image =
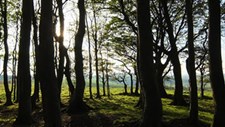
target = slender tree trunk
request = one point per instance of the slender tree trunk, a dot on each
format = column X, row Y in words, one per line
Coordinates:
column 60, row 70
column 50, row 91
column 215, row 63
column 68, row 74
column 125, row 86
column 152, row 115
column 35, row 95
column 95, row 37
column 24, row 78
column 77, row 104
column 14, row 60
column 202, row 83
column 90, row 61
column 6, row 56
column 107, row 79
column 137, row 81
column 131, row 83
column 103, row 73
column 193, row 114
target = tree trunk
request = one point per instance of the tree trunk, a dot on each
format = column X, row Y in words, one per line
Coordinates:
column 125, row 85
column 77, row 104
column 68, row 74
column 152, row 115
column 24, row 78
column 202, row 83
column 131, row 83
column 6, row 56
column 215, row 63
column 90, row 61
column 35, row 95
column 107, row 79
column 178, row 95
column 137, row 81
column 193, row 114
column 50, row 91
column 103, row 73
column 96, row 56
column 60, row 70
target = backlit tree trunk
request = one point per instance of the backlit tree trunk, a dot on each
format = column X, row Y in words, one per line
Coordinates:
column 193, row 114
column 153, row 107
column 77, row 104
column 50, row 91
column 215, row 63
column 24, row 78
column 6, row 56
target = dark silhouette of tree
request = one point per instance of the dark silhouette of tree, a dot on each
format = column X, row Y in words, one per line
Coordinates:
column 50, row 92
column 96, row 49
column 77, row 104
column 60, row 39
column 35, row 95
column 153, row 106
column 24, row 78
column 191, row 66
column 215, row 63
column 89, row 60
column 178, row 95
column 4, row 12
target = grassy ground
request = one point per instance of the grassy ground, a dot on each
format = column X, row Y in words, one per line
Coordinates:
column 116, row 111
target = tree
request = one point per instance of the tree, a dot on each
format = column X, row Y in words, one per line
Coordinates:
column 77, row 104
column 50, row 92
column 178, row 95
column 24, row 78
column 191, row 66
column 90, row 61
column 6, row 56
column 61, row 46
column 153, row 106
column 35, row 95
column 96, row 49
column 215, row 63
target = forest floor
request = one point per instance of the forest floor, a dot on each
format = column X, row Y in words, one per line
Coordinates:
column 117, row 111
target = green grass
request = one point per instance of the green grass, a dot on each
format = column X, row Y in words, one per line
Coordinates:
column 119, row 109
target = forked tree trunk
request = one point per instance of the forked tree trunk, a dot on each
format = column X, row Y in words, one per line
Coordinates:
column 178, row 94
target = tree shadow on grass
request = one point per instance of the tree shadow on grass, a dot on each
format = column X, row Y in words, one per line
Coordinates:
column 114, row 112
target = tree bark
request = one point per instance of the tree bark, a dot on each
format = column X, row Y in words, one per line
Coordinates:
column 215, row 63
column 24, row 78
column 60, row 70
column 35, row 95
column 178, row 94
column 152, row 115
column 193, row 113
column 50, row 91
column 96, row 54
column 6, row 56
column 77, row 104
column 90, row 61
